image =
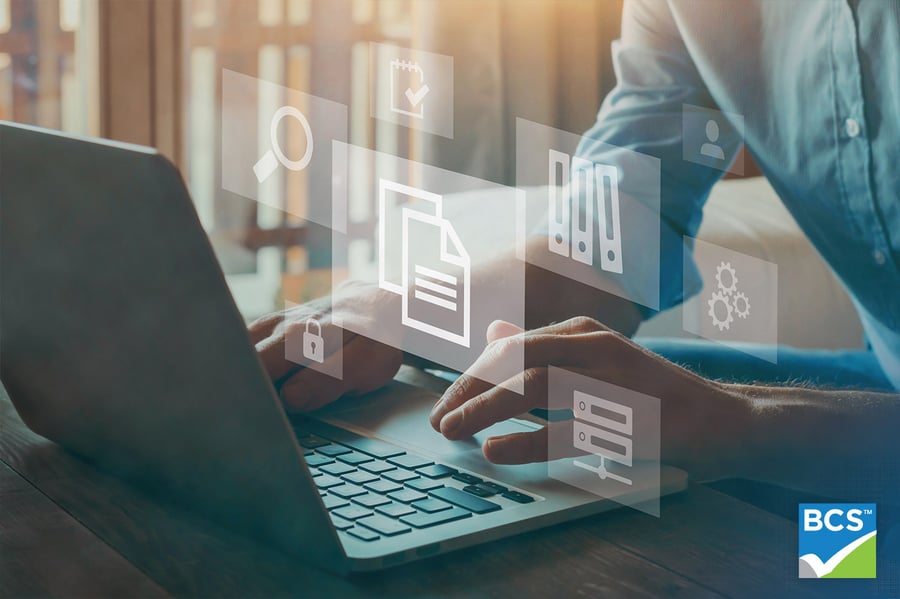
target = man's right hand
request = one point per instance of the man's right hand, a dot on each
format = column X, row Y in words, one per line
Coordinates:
column 368, row 364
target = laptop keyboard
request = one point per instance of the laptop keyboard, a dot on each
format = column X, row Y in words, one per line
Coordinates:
column 373, row 489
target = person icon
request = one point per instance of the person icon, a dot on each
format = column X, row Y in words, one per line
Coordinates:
column 710, row 148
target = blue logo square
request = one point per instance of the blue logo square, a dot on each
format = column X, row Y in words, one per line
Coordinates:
column 837, row 540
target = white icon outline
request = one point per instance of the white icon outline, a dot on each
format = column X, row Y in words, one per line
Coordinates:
column 722, row 268
column 607, row 429
column 441, row 284
column 728, row 296
column 571, row 211
column 583, row 189
column 738, row 311
column 716, row 299
column 462, row 261
column 384, row 186
column 710, row 148
column 269, row 161
column 560, row 205
column 414, row 98
column 310, row 351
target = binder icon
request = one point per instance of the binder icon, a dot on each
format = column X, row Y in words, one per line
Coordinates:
column 560, row 205
column 610, row 439
column 571, row 210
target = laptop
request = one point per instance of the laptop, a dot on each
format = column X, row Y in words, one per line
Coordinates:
column 121, row 342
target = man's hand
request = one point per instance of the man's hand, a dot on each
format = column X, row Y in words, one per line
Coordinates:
column 702, row 421
column 368, row 364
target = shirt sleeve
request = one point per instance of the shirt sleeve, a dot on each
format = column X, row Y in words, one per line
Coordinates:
column 655, row 78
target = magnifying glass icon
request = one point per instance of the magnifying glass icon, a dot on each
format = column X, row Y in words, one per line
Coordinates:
column 266, row 165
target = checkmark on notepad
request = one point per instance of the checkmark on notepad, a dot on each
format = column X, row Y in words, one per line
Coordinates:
column 416, row 98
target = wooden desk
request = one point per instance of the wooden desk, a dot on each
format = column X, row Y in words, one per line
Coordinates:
column 69, row 530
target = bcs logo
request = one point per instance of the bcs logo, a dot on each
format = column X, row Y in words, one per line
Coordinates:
column 837, row 540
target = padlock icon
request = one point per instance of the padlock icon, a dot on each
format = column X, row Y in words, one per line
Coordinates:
column 313, row 343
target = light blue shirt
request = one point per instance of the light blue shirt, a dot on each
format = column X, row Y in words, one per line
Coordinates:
column 818, row 85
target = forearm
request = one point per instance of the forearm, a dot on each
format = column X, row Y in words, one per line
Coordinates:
column 551, row 297
column 554, row 298
column 840, row 444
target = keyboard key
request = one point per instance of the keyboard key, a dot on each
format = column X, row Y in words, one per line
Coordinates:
column 340, row 523
column 333, row 501
column 359, row 477
column 407, row 496
column 376, row 449
column 400, row 476
column 395, row 510
column 347, row 491
column 383, row 525
column 383, row 486
column 431, row 505
column 410, row 461
column 465, row 500
column 371, row 500
column 424, row 520
column 377, row 467
column 337, row 469
column 363, row 533
column 466, row 478
column 317, row 460
column 326, row 481
column 423, row 484
column 436, row 471
column 352, row 512
column 480, row 490
column 354, row 457
column 518, row 497
column 333, row 450
column 308, row 452
column 312, row 441
column 494, row 487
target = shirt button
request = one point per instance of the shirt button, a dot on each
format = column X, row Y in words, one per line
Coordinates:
column 880, row 258
column 851, row 126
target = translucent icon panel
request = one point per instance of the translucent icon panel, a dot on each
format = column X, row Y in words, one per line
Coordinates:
column 591, row 216
column 712, row 138
column 612, row 448
column 427, row 240
column 315, row 340
column 738, row 303
column 412, row 88
column 276, row 146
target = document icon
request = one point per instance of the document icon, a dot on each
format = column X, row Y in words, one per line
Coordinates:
column 433, row 266
column 571, row 210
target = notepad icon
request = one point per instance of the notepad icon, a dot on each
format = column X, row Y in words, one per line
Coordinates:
column 430, row 268
column 408, row 88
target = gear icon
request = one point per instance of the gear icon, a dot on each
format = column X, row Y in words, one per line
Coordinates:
column 720, row 298
column 733, row 278
column 741, row 305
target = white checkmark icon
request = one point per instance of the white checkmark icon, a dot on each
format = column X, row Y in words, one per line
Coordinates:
column 415, row 98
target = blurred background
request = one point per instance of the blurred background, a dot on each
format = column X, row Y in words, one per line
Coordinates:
column 149, row 72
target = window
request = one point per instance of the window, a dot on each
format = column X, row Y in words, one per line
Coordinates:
column 316, row 46
column 48, row 64
column 149, row 72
